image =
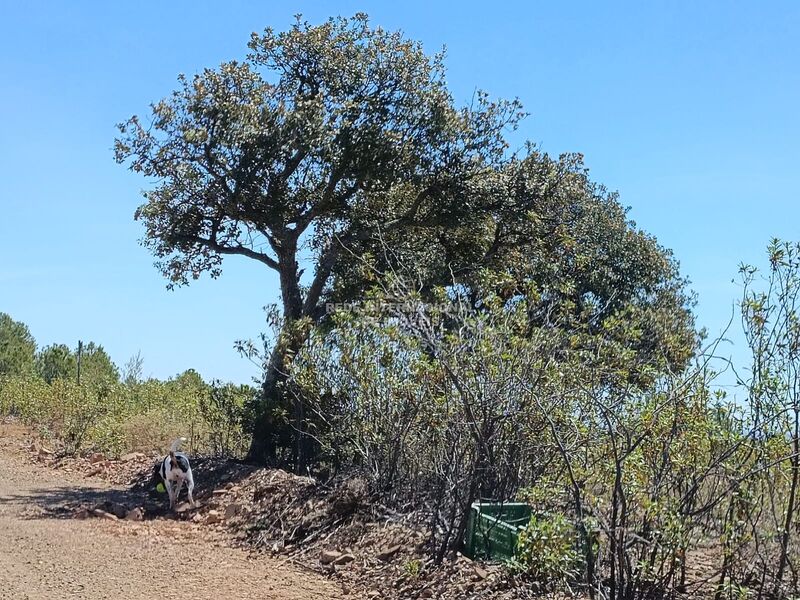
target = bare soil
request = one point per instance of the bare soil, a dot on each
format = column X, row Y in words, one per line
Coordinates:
column 47, row 553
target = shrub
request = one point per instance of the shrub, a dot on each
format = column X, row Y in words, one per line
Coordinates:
column 222, row 409
column 547, row 549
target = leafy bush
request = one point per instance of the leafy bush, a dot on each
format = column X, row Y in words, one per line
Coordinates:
column 547, row 549
column 223, row 412
column 147, row 431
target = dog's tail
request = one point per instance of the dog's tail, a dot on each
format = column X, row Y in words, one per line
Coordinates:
column 176, row 445
column 173, row 449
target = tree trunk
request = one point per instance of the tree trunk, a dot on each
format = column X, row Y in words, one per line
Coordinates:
column 790, row 507
column 269, row 432
column 727, row 552
column 264, row 443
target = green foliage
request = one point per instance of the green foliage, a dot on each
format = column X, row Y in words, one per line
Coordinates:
column 547, row 549
column 223, row 411
column 97, row 367
column 412, row 568
column 17, row 347
column 374, row 382
column 446, row 403
column 103, row 414
column 56, row 361
column 62, row 410
column 336, row 129
column 545, row 232
column 770, row 308
column 23, row 396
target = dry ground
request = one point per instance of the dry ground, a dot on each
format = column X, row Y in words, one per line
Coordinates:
column 44, row 554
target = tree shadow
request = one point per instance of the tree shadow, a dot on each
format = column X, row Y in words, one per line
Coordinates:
column 66, row 501
column 70, row 501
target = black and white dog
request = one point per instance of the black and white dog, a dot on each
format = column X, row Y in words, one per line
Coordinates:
column 175, row 471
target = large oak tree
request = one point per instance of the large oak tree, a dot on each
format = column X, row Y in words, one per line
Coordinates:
column 322, row 136
column 332, row 151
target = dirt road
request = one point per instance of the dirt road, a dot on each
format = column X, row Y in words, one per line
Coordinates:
column 47, row 554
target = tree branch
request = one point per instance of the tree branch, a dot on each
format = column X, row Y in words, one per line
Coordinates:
column 212, row 244
column 323, row 271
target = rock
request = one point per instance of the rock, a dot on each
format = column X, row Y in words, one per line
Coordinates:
column 99, row 512
column 183, row 507
column 232, row 510
column 137, row 514
column 329, row 556
column 118, row 510
column 96, row 471
column 386, row 555
column 131, row 456
column 481, row 572
column 96, row 458
column 212, row 517
column 82, row 514
column 344, row 559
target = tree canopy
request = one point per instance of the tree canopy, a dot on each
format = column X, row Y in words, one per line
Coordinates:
column 333, row 130
column 17, row 347
column 56, row 361
column 97, row 366
column 548, row 233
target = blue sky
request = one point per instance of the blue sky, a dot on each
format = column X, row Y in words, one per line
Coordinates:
column 688, row 109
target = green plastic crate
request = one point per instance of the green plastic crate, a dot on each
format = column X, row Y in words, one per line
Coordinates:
column 492, row 529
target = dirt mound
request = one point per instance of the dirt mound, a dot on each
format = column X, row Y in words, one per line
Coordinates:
column 210, row 473
column 341, row 531
column 338, row 529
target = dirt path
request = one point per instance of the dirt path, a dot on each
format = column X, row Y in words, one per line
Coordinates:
column 44, row 554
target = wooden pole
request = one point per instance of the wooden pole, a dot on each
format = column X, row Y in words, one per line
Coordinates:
column 80, row 353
